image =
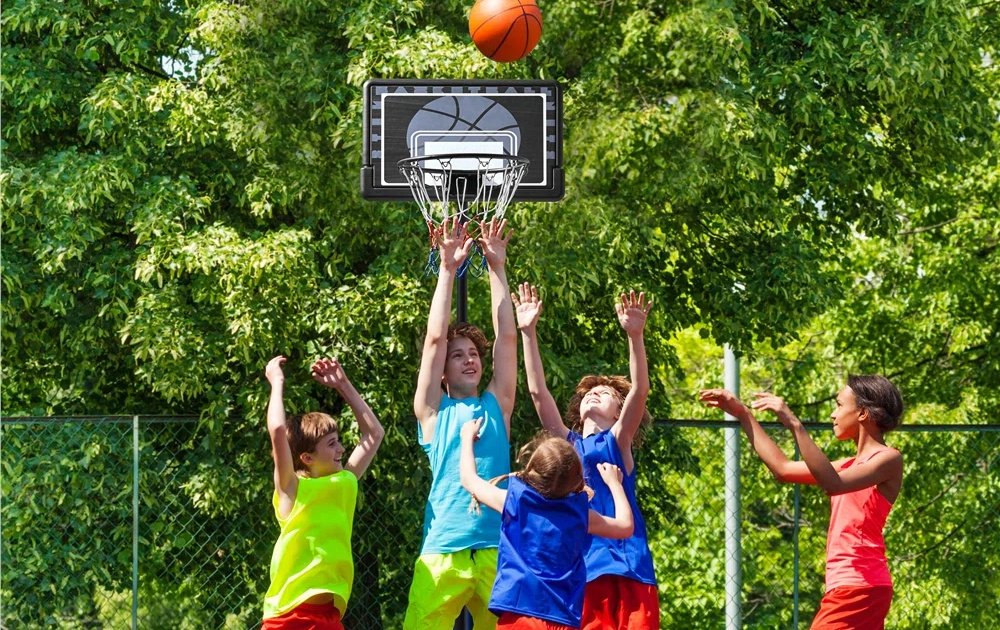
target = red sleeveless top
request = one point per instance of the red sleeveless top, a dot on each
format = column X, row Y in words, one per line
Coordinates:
column 855, row 549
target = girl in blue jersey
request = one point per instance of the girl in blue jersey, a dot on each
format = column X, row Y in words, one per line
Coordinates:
column 546, row 524
column 604, row 420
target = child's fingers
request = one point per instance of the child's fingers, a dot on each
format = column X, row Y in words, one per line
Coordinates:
column 514, row 299
column 649, row 305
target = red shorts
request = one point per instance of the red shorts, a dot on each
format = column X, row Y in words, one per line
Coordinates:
column 853, row 608
column 612, row 601
column 514, row 621
column 306, row 617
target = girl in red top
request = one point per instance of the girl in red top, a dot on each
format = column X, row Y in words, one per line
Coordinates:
column 862, row 490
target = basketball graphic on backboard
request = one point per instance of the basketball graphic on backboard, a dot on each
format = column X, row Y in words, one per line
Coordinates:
column 505, row 30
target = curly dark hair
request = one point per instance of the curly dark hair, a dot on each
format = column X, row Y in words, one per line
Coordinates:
column 621, row 386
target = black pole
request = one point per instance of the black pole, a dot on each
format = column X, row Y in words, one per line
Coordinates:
column 462, row 306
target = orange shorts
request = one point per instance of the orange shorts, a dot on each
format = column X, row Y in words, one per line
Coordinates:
column 306, row 617
column 514, row 621
column 612, row 601
column 853, row 608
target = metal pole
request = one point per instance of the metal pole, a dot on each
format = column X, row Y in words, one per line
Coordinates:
column 135, row 522
column 795, row 542
column 462, row 304
column 734, row 569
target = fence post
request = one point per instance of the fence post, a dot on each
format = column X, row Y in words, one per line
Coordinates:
column 135, row 522
column 795, row 542
column 734, row 569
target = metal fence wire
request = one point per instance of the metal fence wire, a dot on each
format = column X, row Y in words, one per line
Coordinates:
column 152, row 522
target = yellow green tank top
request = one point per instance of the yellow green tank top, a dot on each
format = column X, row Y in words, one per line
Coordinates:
column 313, row 552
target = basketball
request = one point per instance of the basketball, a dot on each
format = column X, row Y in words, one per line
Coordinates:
column 505, row 30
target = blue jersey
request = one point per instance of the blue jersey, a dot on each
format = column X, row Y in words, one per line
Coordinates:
column 629, row 557
column 540, row 568
column 448, row 524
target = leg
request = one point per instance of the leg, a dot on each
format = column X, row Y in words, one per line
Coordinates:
column 485, row 568
column 441, row 585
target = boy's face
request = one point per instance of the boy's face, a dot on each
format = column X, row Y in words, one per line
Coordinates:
column 327, row 458
column 464, row 367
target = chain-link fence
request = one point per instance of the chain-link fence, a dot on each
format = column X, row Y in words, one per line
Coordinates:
column 118, row 522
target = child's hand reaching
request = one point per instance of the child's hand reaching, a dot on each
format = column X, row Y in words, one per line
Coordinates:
column 722, row 399
column 527, row 306
column 493, row 242
column 330, row 373
column 452, row 240
column 273, row 371
column 769, row 402
column 632, row 312
column 470, row 430
column 611, row 474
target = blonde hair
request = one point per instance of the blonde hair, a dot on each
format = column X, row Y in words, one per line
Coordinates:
column 550, row 465
column 621, row 386
column 304, row 433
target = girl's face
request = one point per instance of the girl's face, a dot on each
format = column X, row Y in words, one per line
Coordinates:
column 846, row 415
column 328, row 456
column 601, row 406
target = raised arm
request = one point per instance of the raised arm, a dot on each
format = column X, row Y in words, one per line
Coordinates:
column 632, row 312
column 482, row 490
column 783, row 469
column 454, row 244
column 493, row 240
column 883, row 467
column 621, row 525
column 528, row 308
column 330, row 373
column 286, row 482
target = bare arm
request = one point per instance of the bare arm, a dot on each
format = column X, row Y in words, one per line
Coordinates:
column 621, row 525
column 483, row 491
column 504, row 383
column 884, row 466
column 632, row 312
column 286, row 482
column 331, row 374
column 454, row 246
column 529, row 307
column 783, row 469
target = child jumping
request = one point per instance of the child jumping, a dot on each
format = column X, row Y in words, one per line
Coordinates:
column 541, row 573
column 606, row 415
column 862, row 490
column 314, row 496
column 458, row 556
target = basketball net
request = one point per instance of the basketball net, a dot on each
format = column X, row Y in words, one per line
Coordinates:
column 475, row 187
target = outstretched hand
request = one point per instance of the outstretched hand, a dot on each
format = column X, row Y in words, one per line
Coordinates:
column 275, row 376
column 330, row 373
column 527, row 306
column 722, row 399
column 632, row 312
column 453, row 242
column 493, row 242
column 766, row 401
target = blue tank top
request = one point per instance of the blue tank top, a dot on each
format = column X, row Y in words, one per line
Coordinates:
column 540, row 568
column 448, row 524
column 629, row 557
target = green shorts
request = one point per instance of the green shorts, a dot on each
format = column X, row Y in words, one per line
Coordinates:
column 445, row 582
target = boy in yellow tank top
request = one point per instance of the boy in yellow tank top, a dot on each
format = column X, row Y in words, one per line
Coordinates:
column 314, row 497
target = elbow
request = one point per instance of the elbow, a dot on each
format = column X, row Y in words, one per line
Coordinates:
column 377, row 433
column 629, row 529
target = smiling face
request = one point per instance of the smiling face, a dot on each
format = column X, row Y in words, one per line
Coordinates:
column 601, row 406
column 463, row 368
column 327, row 458
column 846, row 415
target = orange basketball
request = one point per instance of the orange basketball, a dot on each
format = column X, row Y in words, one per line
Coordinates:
column 505, row 30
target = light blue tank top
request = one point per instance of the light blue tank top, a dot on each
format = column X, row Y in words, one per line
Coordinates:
column 448, row 524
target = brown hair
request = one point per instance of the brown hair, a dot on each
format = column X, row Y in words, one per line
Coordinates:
column 621, row 386
column 304, row 433
column 472, row 333
column 880, row 397
column 550, row 465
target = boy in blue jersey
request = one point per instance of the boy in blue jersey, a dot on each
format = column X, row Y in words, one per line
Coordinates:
column 458, row 557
